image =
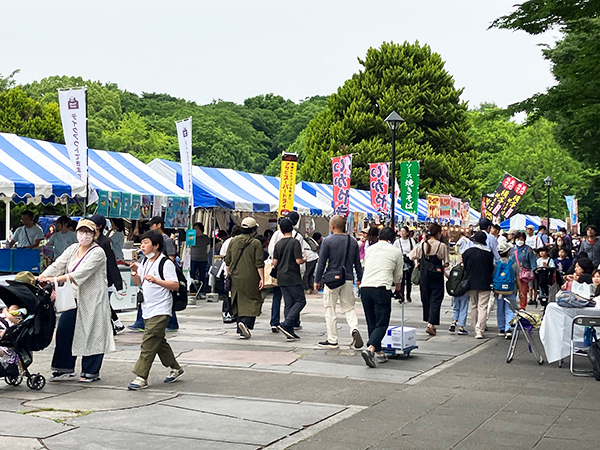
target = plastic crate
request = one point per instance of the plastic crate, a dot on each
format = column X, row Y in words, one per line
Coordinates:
column 26, row 259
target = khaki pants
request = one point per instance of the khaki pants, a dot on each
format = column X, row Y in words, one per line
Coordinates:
column 479, row 304
column 154, row 343
column 345, row 294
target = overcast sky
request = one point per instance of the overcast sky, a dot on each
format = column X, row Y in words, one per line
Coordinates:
column 234, row 49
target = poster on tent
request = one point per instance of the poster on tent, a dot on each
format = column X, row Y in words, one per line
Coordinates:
column 379, row 184
column 115, row 205
column 177, row 214
column 103, row 203
column 341, row 170
column 287, row 182
column 156, row 206
column 125, row 206
column 433, row 206
column 135, row 206
column 465, row 214
column 409, row 193
column 145, row 207
column 454, row 208
column 445, row 201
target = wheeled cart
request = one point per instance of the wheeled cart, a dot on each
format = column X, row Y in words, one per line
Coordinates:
column 399, row 341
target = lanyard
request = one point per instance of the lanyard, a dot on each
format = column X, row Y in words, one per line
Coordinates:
column 146, row 272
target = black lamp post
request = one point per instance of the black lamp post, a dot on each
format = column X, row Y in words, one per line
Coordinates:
column 548, row 181
column 393, row 120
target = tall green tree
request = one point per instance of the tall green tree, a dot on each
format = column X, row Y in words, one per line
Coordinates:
column 410, row 79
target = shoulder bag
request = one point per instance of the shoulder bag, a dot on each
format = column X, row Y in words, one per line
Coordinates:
column 525, row 275
column 334, row 278
column 65, row 300
column 227, row 285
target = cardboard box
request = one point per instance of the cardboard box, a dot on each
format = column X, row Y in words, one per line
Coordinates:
column 393, row 338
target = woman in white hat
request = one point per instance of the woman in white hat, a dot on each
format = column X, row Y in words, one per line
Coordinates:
column 85, row 331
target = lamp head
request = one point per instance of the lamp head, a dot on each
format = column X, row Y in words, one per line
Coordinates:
column 394, row 120
column 548, row 181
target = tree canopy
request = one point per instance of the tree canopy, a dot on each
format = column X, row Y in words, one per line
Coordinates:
column 410, row 79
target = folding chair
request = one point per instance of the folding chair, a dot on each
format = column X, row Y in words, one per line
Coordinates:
column 580, row 348
column 523, row 323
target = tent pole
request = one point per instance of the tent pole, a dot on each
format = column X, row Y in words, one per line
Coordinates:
column 7, row 215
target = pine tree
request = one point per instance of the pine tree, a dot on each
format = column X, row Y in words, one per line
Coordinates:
column 411, row 80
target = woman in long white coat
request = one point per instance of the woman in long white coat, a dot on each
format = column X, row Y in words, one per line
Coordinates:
column 85, row 331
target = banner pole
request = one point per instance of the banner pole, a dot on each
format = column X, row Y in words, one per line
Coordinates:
column 87, row 158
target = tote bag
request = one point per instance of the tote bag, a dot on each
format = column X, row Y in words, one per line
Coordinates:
column 65, row 300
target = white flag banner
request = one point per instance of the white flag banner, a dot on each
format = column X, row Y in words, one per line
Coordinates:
column 396, row 189
column 184, row 134
column 73, row 117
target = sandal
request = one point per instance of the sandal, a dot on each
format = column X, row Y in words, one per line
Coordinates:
column 430, row 330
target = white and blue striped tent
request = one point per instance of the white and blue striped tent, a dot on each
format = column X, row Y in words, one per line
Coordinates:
column 44, row 171
column 521, row 221
column 237, row 191
column 360, row 201
column 31, row 174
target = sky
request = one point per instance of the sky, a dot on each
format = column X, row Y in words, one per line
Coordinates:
column 232, row 50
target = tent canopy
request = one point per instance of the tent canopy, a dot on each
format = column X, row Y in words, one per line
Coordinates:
column 30, row 173
column 237, row 191
column 40, row 169
column 521, row 221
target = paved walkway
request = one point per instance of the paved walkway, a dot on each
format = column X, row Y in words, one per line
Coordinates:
column 453, row 392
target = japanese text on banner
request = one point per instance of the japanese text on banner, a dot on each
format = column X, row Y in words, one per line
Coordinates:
column 184, row 135
column 379, row 181
column 433, row 206
column 409, row 177
column 341, row 169
column 287, row 182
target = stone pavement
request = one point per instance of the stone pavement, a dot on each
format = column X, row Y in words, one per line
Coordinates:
column 452, row 392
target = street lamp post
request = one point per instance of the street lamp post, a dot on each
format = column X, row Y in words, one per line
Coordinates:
column 548, row 181
column 393, row 120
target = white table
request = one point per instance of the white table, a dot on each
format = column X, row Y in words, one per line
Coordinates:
column 555, row 332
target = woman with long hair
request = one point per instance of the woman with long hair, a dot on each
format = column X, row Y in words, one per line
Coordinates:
column 432, row 258
column 406, row 244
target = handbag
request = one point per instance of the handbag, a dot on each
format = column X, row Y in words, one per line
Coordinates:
column 270, row 275
column 65, row 300
column 334, row 278
column 415, row 277
column 525, row 275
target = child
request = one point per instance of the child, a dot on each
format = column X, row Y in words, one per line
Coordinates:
column 504, row 314
column 10, row 317
column 543, row 260
column 459, row 314
column 563, row 262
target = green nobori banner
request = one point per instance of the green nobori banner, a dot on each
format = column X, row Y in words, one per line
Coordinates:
column 409, row 186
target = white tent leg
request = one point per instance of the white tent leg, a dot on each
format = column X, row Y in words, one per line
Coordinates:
column 7, row 221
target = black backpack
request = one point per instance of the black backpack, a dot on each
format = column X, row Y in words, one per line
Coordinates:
column 457, row 284
column 180, row 296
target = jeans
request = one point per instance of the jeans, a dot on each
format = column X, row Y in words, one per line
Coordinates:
column 139, row 321
column 198, row 272
column 62, row 360
column 295, row 301
column 154, row 343
column 461, row 309
column 406, row 282
column 432, row 296
column 377, row 304
column 503, row 311
column 276, row 306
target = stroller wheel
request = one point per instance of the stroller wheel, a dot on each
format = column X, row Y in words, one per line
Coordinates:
column 13, row 380
column 36, row 382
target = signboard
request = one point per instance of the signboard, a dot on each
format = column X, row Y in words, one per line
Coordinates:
column 433, row 206
column 379, row 183
column 177, row 214
column 341, row 168
column 287, row 182
column 508, row 194
column 409, row 193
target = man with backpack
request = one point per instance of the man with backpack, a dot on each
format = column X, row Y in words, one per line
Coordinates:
column 479, row 267
column 506, row 284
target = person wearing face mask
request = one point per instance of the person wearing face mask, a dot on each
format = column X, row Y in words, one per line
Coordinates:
column 85, row 331
column 525, row 258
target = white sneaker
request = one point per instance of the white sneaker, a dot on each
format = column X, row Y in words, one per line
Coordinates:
column 58, row 376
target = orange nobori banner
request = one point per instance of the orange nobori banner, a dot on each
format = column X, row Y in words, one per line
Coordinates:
column 287, row 182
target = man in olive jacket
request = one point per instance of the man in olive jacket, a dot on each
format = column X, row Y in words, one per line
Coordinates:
column 244, row 262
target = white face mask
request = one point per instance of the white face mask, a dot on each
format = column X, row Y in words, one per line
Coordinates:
column 520, row 243
column 150, row 255
column 85, row 239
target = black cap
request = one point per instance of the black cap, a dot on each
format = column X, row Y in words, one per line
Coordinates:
column 480, row 237
column 293, row 216
column 157, row 220
column 484, row 223
column 99, row 220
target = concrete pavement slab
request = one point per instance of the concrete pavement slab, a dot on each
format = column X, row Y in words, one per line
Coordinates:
column 25, row 426
column 11, row 404
column 50, row 390
column 240, row 356
column 100, row 399
column 21, row 443
column 576, row 424
column 165, row 420
column 131, row 440
column 293, row 415
column 479, row 439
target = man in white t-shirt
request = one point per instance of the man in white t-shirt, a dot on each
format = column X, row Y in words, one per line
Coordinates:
column 156, row 308
column 533, row 240
column 63, row 237
column 29, row 235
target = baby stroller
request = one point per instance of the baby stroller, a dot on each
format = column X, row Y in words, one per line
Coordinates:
column 33, row 333
column 545, row 277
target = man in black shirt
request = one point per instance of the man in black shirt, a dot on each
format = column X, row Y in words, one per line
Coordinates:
column 287, row 257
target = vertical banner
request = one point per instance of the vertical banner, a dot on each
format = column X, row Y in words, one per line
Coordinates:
column 409, row 179
column 572, row 207
column 466, row 214
column 341, row 169
column 485, row 199
column 157, row 206
column 73, row 117
column 146, row 207
column 184, row 135
column 115, row 205
column 135, row 206
column 433, row 206
column 445, row 201
column 508, row 194
column 379, row 182
column 103, row 202
column 287, row 182
column 125, row 206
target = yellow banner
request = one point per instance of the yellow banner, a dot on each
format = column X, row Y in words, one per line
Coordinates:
column 433, row 206
column 287, row 184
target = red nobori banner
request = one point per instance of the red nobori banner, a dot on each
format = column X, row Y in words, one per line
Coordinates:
column 341, row 168
column 445, row 202
column 379, row 175
column 509, row 193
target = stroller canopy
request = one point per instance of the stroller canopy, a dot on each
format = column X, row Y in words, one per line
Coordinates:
column 19, row 294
